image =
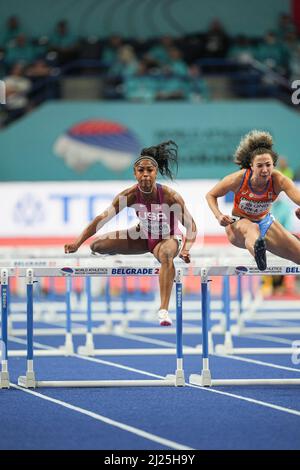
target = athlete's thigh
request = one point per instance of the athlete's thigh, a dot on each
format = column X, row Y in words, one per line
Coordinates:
column 237, row 232
column 167, row 247
column 281, row 242
column 123, row 242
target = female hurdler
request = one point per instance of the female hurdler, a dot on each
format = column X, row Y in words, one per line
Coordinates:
column 255, row 187
column 159, row 209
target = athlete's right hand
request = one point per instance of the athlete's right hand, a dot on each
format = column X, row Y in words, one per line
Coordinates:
column 225, row 220
column 71, row 248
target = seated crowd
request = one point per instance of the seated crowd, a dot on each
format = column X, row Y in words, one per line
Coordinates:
column 163, row 68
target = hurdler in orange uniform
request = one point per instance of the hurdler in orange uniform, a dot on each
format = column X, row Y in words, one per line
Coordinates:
column 255, row 187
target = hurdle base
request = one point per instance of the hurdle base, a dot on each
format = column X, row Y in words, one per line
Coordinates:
column 203, row 380
column 68, row 347
column 223, row 349
column 178, row 378
column 168, row 381
column 88, row 349
column 4, row 380
column 28, row 380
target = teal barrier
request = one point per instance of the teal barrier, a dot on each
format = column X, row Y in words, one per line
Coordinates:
column 96, row 140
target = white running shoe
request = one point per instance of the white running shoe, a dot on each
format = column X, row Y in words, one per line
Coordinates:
column 163, row 317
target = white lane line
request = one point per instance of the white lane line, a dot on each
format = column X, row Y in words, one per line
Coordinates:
column 271, row 339
column 240, row 397
column 143, row 339
column 120, row 366
column 256, row 361
column 95, row 359
column 252, row 400
column 125, row 427
column 279, row 323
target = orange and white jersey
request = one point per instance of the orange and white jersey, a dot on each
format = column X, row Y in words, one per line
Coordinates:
column 251, row 204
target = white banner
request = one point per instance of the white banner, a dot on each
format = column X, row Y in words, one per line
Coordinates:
column 58, row 209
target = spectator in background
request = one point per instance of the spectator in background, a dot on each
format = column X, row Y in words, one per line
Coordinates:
column 126, row 63
column 271, row 53
column 284, row 168
column 159, row 55
column 64, row 43
column 176, row 64
column 141, row 86
column 294, row 64
column 110, row 51
column 125, row 66
column 197, row 89
column 216, row 41
column 172, row 81
column 17, row 89
column 285, row 26
column 12, row 31
column 242, row 50
column 19, row 51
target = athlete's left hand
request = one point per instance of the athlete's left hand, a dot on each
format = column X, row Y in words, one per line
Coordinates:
column 185, row 256
column 297, row 212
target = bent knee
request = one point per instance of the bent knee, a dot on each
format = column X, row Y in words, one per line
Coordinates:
column 98, row 246
column 167, row 255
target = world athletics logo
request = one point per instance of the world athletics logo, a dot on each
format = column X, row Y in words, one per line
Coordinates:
column 67, row 271
column 241, row 270
column 97, row 141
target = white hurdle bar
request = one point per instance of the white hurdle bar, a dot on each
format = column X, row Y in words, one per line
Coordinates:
column 29, row 380
column 205, row 379
column 228, row 347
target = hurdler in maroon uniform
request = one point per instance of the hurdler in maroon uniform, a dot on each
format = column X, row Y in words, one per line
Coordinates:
column 159, row 210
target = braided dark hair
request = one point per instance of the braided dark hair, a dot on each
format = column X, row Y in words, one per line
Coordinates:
column 252, row 144
column 164, row 154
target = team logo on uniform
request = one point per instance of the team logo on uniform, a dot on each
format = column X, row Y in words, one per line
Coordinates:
column 97, row 141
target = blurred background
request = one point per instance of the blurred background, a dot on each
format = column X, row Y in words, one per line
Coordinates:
column 88, row 84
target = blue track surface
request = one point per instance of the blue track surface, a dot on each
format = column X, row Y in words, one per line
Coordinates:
column 152, row 418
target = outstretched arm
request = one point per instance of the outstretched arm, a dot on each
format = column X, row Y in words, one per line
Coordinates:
column 119, row 202
column 188, row 222
column 227, row 184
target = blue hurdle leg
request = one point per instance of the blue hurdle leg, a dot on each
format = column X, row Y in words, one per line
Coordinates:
column 88, row 349
column 4, row 375
column 210, row 336
column 226, row 306
column 124, row 303
column 205, row 378
column 68, row 346
column 239, row 295
column 179, row 377
column 29, row 381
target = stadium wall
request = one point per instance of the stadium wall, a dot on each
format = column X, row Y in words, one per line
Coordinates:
column 146, row 18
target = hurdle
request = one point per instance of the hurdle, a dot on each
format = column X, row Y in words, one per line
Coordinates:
column 114, row 321
column 6, row 273
column 204, row 379
column 238, row 330
column 88, row 349
column 29, row 380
